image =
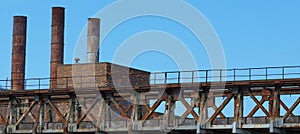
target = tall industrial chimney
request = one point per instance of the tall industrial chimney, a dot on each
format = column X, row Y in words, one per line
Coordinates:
column 18, row 53
column 93, row 40
column 57, row 43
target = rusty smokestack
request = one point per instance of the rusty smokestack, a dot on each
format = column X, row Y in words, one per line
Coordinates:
column 57, row 43
column 18, row 53
column 93, row 40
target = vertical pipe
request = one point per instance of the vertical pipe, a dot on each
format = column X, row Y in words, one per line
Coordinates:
column 18, row 53
column 93, row 40
column 57, row 43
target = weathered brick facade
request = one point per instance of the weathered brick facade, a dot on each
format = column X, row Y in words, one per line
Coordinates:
column 102, row 74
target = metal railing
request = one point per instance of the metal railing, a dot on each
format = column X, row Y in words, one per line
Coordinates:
column 194, row 76
column 222, row 75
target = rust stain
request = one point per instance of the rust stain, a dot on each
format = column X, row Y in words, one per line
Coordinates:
column 18, row 53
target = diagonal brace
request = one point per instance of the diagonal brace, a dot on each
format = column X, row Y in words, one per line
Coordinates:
column 87, row 112
column 218, row 111
column 123, row 113
column 259, row 105
column 292, row 108
column 25, row 113
column 189, row 108
column 152, row 109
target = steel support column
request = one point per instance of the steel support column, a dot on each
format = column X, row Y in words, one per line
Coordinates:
column 39, row 117
column 275, row 120
column 202, row 119
column 72, row 126
column 137, row 102
column 101, row 116
column 238, row 110
column 169, row 114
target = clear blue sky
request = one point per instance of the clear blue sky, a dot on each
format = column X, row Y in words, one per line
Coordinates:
column 253, row 33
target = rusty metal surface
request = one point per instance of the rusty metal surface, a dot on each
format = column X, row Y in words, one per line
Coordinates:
column 57, row 42
column 119, row 119
column 18, row 52
column 93, row 40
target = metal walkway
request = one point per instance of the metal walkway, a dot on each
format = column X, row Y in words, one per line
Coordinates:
column 204, row 97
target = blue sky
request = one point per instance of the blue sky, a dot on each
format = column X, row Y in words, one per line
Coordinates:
column 253, row 33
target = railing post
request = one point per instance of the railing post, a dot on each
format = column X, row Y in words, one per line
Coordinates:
column 39, row 83
column 6, row 83
column 234, row 71
column 166, row 76
column 250, row 74
column 25, row 84
column 206, row 76
column 193, row 77
column 154, row 78
column 283, row 73
column 266, row 74
column 220, row 75
column 50, row 84
column 178, row 77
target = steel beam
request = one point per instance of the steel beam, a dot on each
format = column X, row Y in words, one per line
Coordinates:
column 292, row 108
column 123, row 113
column 189, row 109
column 25, row 113
column 139, row 112
column 222, row 106
column 37, row 119
column 202, row 118
column 259, row 105
column 286, row 108
column 87, row 111
column 238, row 111
column 153, row 108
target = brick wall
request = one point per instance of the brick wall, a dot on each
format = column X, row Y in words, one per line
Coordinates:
column 100, row 75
